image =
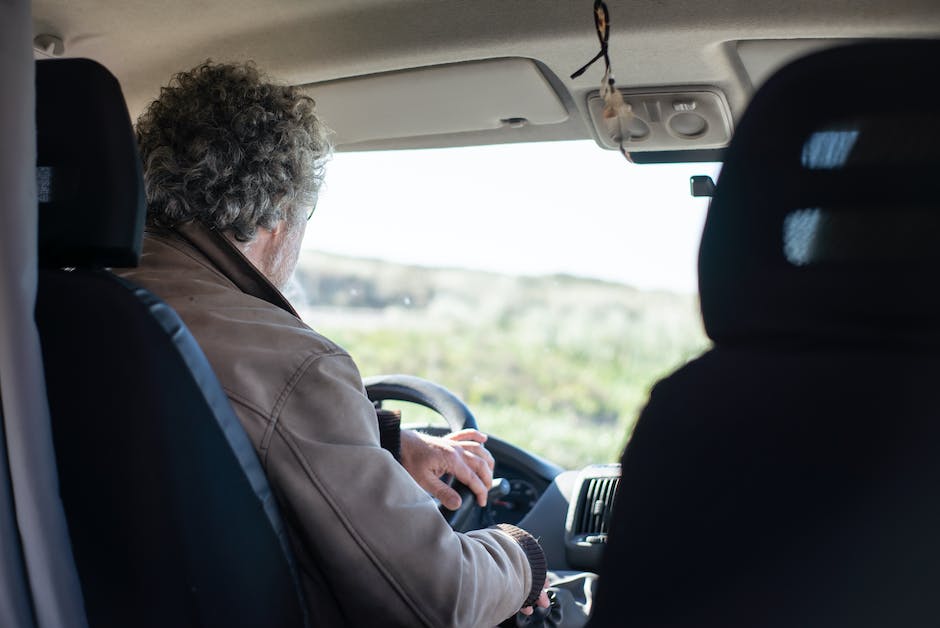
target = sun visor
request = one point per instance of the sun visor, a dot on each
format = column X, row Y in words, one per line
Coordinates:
column 439, row 100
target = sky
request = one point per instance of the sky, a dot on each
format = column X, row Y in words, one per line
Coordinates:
column 524, row 209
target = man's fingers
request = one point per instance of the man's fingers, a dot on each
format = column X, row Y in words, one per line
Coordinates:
column 467, row 434
column 478, row 450
column 447, row 496
column 460, row 454
column 542, row 602
column 473, row 472
column 482, row 469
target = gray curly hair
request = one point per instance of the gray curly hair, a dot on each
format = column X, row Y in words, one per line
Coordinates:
column 225, row 146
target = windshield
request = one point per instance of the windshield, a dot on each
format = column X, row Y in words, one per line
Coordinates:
column 549, row 285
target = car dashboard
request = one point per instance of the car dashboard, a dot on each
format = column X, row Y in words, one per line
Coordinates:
column 568, row 511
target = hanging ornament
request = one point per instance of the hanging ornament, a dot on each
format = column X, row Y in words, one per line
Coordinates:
column 617, row 114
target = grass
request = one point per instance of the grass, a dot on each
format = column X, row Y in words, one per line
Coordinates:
column 557, row 365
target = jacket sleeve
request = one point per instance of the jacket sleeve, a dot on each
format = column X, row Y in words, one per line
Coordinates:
column 388, row 554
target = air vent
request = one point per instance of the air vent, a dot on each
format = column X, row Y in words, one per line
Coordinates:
column 589, row 516
column 597, row 498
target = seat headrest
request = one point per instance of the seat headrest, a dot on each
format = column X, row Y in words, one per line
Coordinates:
column 825, row 223
column 91, row 191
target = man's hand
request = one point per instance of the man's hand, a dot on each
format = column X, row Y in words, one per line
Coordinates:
column 542, row 602
column 460, row 454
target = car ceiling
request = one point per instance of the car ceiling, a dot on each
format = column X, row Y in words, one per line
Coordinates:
column 653, row 44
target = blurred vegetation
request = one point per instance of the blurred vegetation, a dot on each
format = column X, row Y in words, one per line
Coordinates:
column 560, row 366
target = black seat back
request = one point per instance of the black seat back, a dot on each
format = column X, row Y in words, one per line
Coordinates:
column 171, row 519
column 789, row 476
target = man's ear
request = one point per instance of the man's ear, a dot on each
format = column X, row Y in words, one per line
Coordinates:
column 279, row 227
column 284, row 225
column 280, row 231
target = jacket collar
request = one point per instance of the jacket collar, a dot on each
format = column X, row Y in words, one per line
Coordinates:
column 231, row 262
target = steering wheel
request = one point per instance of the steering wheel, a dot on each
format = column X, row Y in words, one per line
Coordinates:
column 437, row 398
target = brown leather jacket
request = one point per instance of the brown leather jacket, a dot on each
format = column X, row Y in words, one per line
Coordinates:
column 372, row 548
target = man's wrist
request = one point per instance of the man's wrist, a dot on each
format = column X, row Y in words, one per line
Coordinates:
column 537, row 563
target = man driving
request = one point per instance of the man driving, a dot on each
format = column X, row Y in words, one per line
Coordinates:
column 232, row 165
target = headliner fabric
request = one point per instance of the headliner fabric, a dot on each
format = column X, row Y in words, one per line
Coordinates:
column 828, row 133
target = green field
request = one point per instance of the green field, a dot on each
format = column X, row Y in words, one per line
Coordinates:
column 558, row 365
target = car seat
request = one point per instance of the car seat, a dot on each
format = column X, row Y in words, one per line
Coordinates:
column 171, row 519
column 790, row 475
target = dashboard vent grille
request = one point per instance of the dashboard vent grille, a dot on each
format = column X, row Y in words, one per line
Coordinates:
column 597, row 497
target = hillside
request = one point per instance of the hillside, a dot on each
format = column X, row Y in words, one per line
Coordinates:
column 559, row 365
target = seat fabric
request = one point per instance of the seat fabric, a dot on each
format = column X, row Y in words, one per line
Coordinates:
column 171, row 518
column 788, row 477
column 169, row 512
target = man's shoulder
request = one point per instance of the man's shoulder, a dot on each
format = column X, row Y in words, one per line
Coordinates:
column 236, row 327
column 255, row 347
